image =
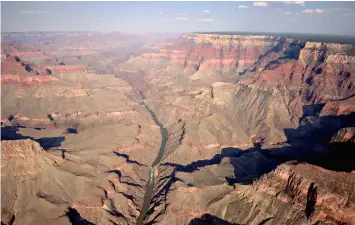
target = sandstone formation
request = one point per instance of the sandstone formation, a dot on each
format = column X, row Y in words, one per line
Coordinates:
column 66, row 69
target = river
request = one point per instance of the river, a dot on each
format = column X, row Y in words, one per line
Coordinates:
column 151, row 180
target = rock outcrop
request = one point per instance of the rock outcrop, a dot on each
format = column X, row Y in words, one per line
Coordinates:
column 344, row 135
column 12, row 65
column 303, row 187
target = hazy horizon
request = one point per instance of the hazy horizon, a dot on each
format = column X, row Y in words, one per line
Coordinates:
column 200, row 32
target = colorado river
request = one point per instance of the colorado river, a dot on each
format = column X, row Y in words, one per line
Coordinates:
column 150, row 183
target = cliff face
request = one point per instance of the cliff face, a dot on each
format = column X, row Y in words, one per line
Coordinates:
column 209, row 51
column 14, row 65
column 307, row 191
column 240, row 52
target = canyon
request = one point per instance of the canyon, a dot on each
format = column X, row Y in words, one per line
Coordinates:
column 198, row 128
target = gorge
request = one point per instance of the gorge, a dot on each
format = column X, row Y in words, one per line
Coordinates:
column 198, row 128
column 150, row 184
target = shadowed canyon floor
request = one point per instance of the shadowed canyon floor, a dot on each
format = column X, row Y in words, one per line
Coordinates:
column 199, row 128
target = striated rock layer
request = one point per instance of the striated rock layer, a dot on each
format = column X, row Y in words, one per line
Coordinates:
column 66, row 69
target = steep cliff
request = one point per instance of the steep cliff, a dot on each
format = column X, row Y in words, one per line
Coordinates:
column 223, row 52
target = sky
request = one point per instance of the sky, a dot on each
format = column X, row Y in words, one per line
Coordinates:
column 145, row 17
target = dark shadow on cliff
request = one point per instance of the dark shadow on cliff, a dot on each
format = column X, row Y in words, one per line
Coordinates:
column 50, row 142
column 208, row 219
column 248, row 164
column 309, row 143
column 127, row 158
column 75, row 218
column 11, row 133
column 124, row 179
column 161, row 196
column 316, row 132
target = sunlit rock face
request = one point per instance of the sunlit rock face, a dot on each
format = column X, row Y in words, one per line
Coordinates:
column 209, row 51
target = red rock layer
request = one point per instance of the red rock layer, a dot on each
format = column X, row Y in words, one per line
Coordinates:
column 303, row 186
column 66, row 69
column 203, row 51
column 25, row 80
column 12, row 65
column 16, row 66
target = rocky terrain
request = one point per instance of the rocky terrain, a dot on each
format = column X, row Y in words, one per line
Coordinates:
column 234, row 129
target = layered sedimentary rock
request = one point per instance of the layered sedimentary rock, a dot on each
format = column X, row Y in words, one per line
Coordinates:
column 25, row 80
column 86, row 154
column 79, row 100
column 209, row 51
column 312, row 194
column 14, row 65
column 66, row 69
column 236, row 108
